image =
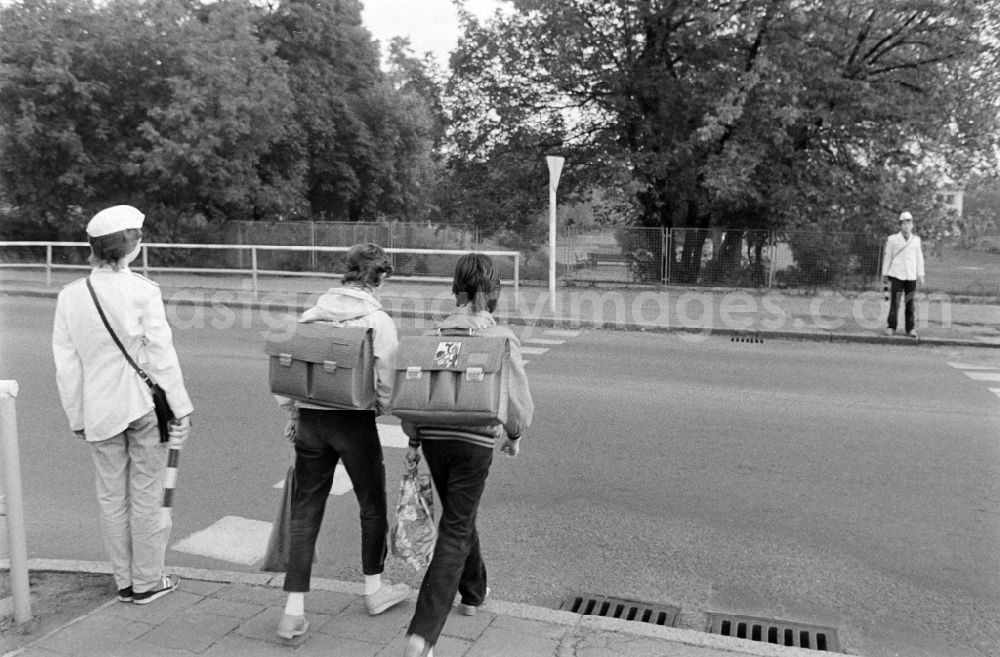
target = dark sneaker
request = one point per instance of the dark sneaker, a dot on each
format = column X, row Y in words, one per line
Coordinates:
column 125, row 594
column 470, row 610
column 167, row 584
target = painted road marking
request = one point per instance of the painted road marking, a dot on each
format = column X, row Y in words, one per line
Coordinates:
column 231, row 538
column 534, row 350
column 562, row 333
column 390, row 435
column 984, row 376
column 544, row 341
column 995, row 391
column 966, row 366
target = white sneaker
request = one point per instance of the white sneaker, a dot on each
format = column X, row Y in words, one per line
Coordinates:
column 388, row 595
column 470, row 610
column 290, row 626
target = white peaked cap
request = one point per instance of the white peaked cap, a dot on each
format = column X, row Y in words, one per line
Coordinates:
column 906, row 216
column 114, row 219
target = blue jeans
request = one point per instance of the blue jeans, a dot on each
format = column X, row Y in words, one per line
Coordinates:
column 322, row 439
column 459, row 471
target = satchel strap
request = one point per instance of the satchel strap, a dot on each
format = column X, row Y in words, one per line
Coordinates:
column 114, row 336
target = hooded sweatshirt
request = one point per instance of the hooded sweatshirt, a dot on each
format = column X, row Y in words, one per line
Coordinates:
column 520, row 405
column 355, row 306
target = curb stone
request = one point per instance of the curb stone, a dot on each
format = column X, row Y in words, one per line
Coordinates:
column 580, row 626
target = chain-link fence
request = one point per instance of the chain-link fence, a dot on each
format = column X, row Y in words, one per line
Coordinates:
column 764, row 259
column 332, row 233
column 615, row 255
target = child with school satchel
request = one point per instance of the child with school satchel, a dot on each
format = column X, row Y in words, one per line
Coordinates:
column 459, row 456
column 324, row 435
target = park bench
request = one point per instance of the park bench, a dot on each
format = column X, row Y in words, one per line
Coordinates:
column 596, row 259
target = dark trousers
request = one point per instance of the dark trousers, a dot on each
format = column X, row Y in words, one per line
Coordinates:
column 908, row 289
column 322, row 439
column 459, row 471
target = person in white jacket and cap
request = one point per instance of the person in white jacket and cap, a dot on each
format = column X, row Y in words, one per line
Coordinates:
column 323, row 437
column 111, row 407
column 903, row 266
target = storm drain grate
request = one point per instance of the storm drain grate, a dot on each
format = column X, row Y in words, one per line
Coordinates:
column 783, row 633
column 753, row 338
column 631, row 610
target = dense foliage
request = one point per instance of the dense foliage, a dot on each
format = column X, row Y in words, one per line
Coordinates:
column 745, row 114
column 202, row 112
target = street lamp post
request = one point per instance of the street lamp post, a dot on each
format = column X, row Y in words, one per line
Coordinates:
column 555, row 163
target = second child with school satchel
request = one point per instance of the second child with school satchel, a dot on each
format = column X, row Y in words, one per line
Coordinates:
column 331, row 420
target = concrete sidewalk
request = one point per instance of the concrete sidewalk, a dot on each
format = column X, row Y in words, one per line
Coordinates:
column 749, row 315
column 226, row 614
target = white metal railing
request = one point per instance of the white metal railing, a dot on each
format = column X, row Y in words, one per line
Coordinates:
column 254, row 271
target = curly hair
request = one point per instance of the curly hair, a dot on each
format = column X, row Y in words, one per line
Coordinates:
column 476, row 281
column 107, row 250
column 367, row 266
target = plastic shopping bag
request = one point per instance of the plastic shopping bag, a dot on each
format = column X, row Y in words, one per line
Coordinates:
column 413, row 535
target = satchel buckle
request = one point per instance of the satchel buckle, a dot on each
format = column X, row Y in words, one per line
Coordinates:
column 285, row 360
column 329, row 366
column 474, row 374
column 413, row 373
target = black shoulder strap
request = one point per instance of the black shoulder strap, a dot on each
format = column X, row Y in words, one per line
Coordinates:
column 114, row 336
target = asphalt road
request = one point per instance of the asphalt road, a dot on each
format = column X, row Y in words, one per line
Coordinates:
column 854, row 486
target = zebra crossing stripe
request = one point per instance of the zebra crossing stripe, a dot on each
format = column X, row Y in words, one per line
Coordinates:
column 390, row 435
column 995, row 391
column 983, row 376
column 544, row 341
column 534, row 350
column 562, row 333
column 966, row 366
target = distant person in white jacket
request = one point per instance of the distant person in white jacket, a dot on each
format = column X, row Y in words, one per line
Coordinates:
column 903, row 266
column 110, row 406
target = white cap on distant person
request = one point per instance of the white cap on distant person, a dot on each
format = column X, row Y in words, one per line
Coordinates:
column 114, row 219
column 906, row 216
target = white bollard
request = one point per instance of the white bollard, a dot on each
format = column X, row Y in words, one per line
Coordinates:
column 14, row 503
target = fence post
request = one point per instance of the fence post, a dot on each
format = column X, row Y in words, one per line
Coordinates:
column 774, row 256
column 13, row 506
column 664, row 242
column 253, row 269
column 48, row 265
column 145, row 261
column 517, row 278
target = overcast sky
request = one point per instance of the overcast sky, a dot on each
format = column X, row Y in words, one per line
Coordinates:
column 432, row 25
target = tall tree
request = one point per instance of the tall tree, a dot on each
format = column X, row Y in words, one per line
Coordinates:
column 760, row 113
column 333, row 64
column 169, row 105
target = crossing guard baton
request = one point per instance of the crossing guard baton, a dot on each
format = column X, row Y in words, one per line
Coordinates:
column 170, row 480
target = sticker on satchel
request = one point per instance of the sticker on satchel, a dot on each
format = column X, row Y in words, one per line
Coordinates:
column 447, row 354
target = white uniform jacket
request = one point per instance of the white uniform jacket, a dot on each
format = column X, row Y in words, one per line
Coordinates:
column 903, row 259
column 100, row 391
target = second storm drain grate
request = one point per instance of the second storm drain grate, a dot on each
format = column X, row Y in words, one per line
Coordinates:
column 630, row 610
